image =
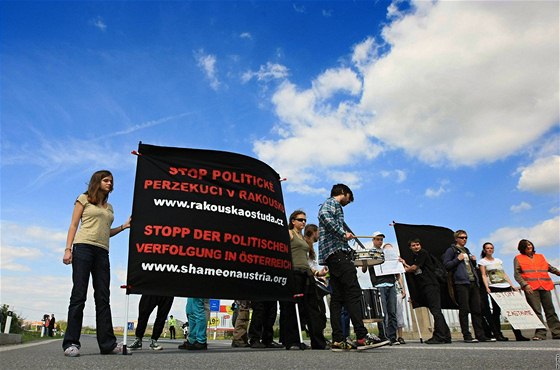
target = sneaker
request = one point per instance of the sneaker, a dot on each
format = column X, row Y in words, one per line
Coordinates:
column 274, row 344
column 155, row 345
column 118, row 350
column 235, row 344
column 372, row 340
column 395, row 342
column 258, row 344
column 137, row 344
column 470, row 340
column 484, row 339
column 501, row 338
column 72, row 351
column 343, row 346
column 434, row 341
column 186, row 344
column 401, row 340
column 198, row 346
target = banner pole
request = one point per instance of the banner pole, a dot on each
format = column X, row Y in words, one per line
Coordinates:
column 417, row 325
column 125, row 331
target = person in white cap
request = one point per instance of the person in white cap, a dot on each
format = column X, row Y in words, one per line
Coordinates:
column 386, row 285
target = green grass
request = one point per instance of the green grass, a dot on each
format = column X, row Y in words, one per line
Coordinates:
column 31, row 336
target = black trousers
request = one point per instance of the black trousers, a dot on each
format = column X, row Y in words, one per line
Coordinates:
column 346, row 292
column 262, row 322
column 145, row 308
column 432, row 297
column 309, row 311
column 468, row 299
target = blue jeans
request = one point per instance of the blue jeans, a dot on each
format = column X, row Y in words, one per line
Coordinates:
column 388, row 328
column 88, row 259
column 197, row 320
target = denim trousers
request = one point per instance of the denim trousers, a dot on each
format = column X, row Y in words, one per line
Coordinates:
column 388, row 328
column 197, row 320
column 346, row 292
column 90, row 260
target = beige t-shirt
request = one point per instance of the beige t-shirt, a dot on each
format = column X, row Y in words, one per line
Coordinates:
column 95, row 224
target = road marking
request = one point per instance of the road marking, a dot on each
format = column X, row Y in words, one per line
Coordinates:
column 9, row 347
column 478, row 348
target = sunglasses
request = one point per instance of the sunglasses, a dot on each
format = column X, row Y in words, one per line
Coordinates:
column 301, row 219
column 462, row 237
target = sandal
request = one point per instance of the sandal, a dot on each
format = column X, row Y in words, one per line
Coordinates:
column 536, row 338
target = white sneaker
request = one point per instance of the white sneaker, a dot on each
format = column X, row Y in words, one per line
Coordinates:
column 72, row 351
column 137, row 344
column 155, row 346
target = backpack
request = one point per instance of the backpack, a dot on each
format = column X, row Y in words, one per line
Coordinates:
column 439, row 271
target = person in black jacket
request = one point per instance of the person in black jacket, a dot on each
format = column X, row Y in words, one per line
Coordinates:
column 459, row 260
column 421, row 269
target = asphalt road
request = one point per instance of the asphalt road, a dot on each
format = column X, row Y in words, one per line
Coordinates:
column 220, row 355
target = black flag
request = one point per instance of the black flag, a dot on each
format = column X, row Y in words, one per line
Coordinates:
column 207, row 224
column 434, row 239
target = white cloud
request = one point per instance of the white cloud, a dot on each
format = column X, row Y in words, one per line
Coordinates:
column 542, row 176
column 463, row 83
column 207, row 62
column 327, row 13
column 323, row 135
column 99, row 23
column 396, row 175
column 55, row 156
column 22, row 236
column 435, row 193
column 246, row 35
column 467, row 78
column 299, row 9
column 268, row 72
column 336, row 80
column 543, row 235
column 523, row 206
column 13, row 257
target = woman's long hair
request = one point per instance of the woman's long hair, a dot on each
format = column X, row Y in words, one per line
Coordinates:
column 293, row 216
column 307, row 234
column 94, row 193
column 523, row 244
column 483, row 253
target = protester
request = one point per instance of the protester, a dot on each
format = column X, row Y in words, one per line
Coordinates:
column 197, row 339
column 459, row 260
column 421, row 270
column 304, row 283
column 335, row 252
column 531, row 272
column 495, row 280
column 385, row 285
column 401, row 296
column 147, row 304
column 51, row 325
column 172, row 323
column 87, row 249
column 241, row 324
column 261, row 327
column 311, row 236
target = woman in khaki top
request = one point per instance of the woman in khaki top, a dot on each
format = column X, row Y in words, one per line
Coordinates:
column 87, row 249
column 304, row 283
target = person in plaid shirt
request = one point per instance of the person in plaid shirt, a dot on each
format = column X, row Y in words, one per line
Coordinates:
column 335, row 252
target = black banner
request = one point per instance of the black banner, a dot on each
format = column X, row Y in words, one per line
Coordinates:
column 207, row 224
column 436, row 240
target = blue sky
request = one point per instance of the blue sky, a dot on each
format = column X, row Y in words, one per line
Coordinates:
column 442, row 113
